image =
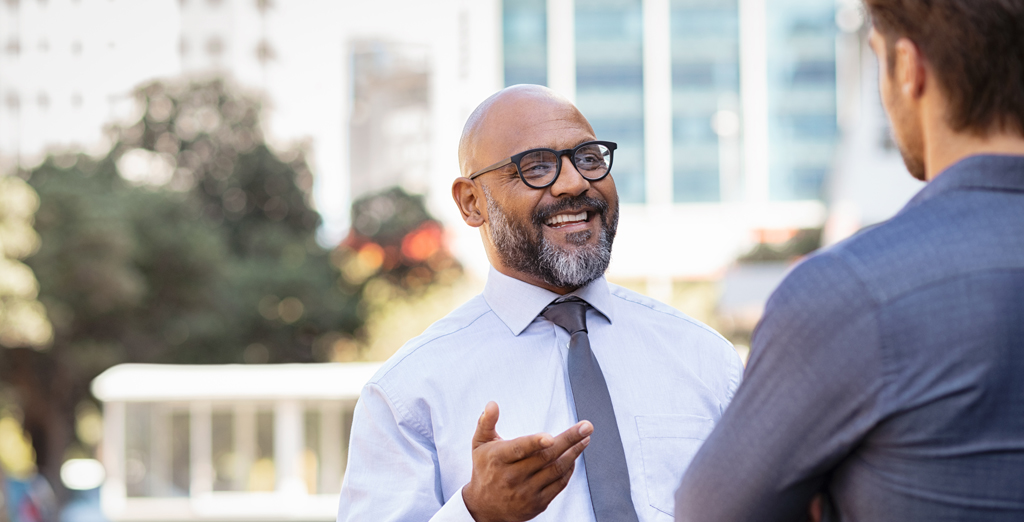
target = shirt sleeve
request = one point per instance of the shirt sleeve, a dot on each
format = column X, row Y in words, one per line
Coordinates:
column 392, row 473
column 809, row 395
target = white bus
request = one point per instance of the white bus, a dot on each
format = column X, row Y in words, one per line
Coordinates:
column 226, row 442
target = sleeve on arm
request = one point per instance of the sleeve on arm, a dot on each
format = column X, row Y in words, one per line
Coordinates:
column 735, row 365
column 809, row 394
column 392, row 473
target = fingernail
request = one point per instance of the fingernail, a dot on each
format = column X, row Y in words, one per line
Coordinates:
column 547, row 441
column 586, row 442
column 586, row 429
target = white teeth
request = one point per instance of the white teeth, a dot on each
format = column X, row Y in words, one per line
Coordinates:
column 562, row 218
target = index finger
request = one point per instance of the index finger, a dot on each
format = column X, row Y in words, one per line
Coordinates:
column 565, row 441
column 517, row 449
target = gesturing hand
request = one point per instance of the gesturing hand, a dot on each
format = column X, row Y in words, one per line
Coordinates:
column 515, row 480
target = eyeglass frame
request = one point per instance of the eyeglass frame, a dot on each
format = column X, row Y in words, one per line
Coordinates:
column 516, row 158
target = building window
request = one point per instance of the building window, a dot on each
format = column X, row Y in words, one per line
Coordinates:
column 705, row 80
column 214, row 46
column 525, row 37
column 44, row 46
column 13, row 47
column 76, row 100
column 43, row 100
column 265, row 52
column 609, row 84
column 801, row 97
column 76, row 48
column 13, row 101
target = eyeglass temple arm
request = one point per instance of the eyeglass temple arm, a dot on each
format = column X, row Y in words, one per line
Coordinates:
column 485, row 170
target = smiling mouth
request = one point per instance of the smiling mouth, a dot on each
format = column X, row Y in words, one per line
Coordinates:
column 567, row 219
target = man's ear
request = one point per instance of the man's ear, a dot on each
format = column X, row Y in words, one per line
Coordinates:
column 469, row 198
column 911, row 69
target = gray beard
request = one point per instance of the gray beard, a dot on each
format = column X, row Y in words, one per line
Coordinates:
column 526, row 250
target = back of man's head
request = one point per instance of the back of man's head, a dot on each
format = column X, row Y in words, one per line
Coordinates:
column 976, row 51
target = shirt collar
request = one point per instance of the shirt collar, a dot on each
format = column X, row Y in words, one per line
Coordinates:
column 982, row 172
column 517, row 303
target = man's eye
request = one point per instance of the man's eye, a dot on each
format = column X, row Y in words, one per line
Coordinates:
column 537, row 168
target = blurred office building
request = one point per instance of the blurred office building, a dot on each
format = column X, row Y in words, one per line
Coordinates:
column 389, row 126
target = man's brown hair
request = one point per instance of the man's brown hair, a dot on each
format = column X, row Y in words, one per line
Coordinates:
column 975, row 49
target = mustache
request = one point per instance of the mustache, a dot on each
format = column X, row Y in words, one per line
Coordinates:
column 572, row 203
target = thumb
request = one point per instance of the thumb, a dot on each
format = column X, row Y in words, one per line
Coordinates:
column 485, row 427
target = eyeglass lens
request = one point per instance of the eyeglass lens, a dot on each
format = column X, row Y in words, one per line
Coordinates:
column 540, row 168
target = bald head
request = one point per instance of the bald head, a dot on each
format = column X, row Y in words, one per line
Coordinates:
column 510, row 122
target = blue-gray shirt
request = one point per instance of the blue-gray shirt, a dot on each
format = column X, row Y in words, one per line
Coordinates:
column 888, row 370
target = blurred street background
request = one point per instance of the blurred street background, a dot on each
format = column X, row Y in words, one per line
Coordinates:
column 246, row 183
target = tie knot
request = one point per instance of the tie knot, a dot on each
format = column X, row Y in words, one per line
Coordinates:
column 570, row 314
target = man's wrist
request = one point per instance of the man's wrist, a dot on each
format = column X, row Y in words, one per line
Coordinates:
column 469, row 498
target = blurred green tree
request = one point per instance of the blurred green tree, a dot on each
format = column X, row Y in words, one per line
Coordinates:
column 23, row 319
column 190, row 242
column 394, row 239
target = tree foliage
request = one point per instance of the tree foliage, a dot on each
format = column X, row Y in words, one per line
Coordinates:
column 190, row 242
column 23, row 320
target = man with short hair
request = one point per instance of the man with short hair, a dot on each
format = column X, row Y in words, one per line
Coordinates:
column 631, row 384
column 888, row 371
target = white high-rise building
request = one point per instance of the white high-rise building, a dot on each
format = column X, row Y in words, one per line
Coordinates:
column 68, row 67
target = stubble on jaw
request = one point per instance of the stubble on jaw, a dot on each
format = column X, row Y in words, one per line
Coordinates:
column 903, row 129
column 525, row 249
column 907, row 138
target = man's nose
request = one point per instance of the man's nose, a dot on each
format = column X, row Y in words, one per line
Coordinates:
column 570, row 182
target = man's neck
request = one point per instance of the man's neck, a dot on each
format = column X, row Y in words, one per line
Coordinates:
column 533, row 280
column 945, row 149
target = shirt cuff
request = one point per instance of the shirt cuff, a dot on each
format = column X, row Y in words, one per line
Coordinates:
column 454, row 510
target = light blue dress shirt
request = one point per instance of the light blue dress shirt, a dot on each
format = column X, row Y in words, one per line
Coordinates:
column 670, row 378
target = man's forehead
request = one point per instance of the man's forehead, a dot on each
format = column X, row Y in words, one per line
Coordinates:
column 518, row 123
column 545, row 131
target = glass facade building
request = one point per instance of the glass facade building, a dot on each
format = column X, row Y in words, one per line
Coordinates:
column 708, row 105
column 610, row 84
column 802, row 129
column 705, row 83
column 524, row 35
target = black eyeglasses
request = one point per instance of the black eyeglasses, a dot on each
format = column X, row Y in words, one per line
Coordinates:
column 539, row 168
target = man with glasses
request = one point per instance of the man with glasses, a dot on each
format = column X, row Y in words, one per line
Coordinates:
column 630, row 384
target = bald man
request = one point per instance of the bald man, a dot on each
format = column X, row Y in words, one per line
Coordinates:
column 605, row 395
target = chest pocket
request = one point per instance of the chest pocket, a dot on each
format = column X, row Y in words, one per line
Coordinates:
column 668, row 443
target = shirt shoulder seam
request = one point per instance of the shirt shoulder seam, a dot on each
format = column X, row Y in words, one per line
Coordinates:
column 430, row 341
column 680, row 316
column 402, row 410
column 875, row 308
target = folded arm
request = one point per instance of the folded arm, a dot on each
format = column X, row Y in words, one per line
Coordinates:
column 809, row 395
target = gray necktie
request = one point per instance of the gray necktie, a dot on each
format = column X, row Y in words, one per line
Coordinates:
column 604, row 458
